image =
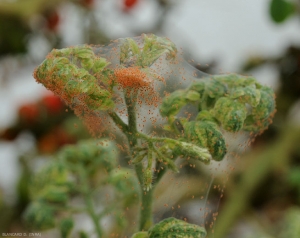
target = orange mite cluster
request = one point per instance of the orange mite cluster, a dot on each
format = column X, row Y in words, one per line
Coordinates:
column 132, row 77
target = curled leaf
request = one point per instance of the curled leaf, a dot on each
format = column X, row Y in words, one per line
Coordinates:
column 181, row 148
column 40, row 216
column 230, row 113
column 206, row 134
column 172, row 103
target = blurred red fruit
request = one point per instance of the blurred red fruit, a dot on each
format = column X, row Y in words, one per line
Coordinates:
column 52, row 141
column 130, row 3
column 87, row 3
column 29, row 113
column 52, row 20
column 53, row 104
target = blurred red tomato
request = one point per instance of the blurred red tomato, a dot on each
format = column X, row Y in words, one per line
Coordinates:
column 52, row 20
column 130, row 3
column 87, row 3
column 53, row 103
column 29, row 112
column 52, row 141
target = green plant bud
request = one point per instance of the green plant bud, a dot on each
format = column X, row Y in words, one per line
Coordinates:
column 52, row 193
column 51, row 183
column 236, row 80
column 102, row 153
column 83, row 234
column 141, row 234
column 172, row 227
column 231, row 80
column 192, row 96
column 248, row 95
column 126, row 183
column 261, row 115
column 100, row 104
column 54, row 173
column 198, row 86
column 147, row 179
column 205, row 115
column 266, row 105
column 44, row 68
column 172, row 103
column 255, row 125
column 84, row 52
column 99, row 64
column 154, row 47
column 129, row 51
column 230, row 113
column 207, row 134
column 100, row 93
column 88, row 85
column 72, row 88
column 61, row 61
column 171, row 165
column 87, row 63
column 138, row 159
column 62, row 52
column 215, row 89
column 73, row 84
column 66, row 225
column 39, row 216
column 181, row 148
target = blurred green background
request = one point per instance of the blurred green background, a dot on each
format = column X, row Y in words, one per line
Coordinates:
column 262, row 195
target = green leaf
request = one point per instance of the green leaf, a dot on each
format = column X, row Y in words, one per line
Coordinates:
column 173, row 228
column 198, row 86
column 192, row 96
column 54, row 193
column 95, row 154
column 172, row 103
column 99, row 64
column 126, row 184
column 205, row 115
column 266, row 105
column 83, row 234
column 247, row 94
column 87, row 63
column 133, row 46
column 66, row 225
column 154, row 47
column 230, row 113
column 215, row 89
column 206, row 134
column 189, row 150
column 280, row 10
column 84, row 52
column 40, row 216
column 141, row 234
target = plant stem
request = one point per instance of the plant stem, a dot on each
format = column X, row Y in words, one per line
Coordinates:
column 92, row 213
column 118, row 121
column 132, row 135
column 89, row 200
column 146, row 218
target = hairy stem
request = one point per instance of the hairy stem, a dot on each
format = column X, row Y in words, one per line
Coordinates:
column 118, row 121
column 132, row 135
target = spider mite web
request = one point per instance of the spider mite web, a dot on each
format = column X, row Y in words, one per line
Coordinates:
column 193, row 194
